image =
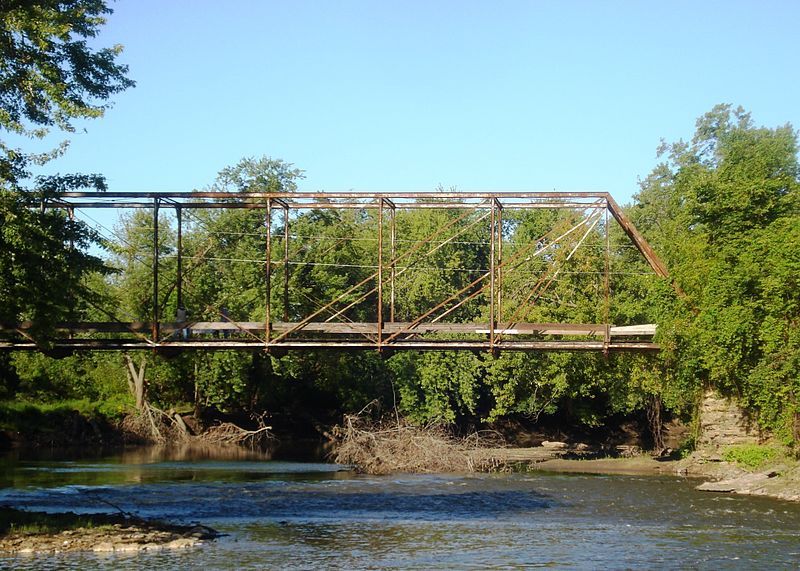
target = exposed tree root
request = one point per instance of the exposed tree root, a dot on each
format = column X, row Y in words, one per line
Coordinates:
column 151, row 424
column 156, row 426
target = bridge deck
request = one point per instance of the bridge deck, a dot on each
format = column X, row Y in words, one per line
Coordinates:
column 338, row 328
column 347, row 336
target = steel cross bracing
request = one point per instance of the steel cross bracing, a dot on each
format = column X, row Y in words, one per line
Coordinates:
column 502, row 324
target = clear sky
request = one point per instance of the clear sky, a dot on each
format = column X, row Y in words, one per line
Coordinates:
column 389, row 95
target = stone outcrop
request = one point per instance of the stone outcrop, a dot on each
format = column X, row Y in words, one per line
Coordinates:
column 781, row 482
column 724, row 423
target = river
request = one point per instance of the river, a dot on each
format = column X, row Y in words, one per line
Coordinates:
column 299, row 515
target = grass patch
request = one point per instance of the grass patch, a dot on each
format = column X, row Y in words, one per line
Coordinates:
column 686, row 448
column 750, row 456
column 20, row 522
column 25, row 416
column 63, row 423
column 113, row 408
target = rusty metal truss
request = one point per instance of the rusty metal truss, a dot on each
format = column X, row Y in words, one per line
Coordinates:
column 502, row 325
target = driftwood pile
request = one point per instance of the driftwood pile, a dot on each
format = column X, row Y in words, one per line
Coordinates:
column 229, row 433
column 151, row 424
column 392, row 445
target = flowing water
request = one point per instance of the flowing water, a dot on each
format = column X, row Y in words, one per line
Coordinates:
column 293, row 515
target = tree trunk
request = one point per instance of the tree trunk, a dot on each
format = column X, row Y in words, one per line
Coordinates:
column 654, row 407
column 136, row 382
column 196, row 393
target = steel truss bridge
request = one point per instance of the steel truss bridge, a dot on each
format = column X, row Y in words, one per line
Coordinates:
column 502, row 325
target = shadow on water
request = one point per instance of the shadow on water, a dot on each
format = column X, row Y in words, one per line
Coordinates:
column 395, row 505
column 281, row 492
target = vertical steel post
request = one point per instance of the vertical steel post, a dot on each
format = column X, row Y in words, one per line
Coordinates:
column 499, row 262
column 71, row 215
column 393, row 255
column 286, row 262
column 179, row 270
column 156, row 325
column 607, row 288
column 492, row 275
column 268, row 273
column 380, row 274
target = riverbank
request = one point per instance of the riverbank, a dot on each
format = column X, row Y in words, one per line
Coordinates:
column 642, row 465
column 403, row 448
column 85, row 424
column 56, row 425
column 39, row 532
column 779, row 480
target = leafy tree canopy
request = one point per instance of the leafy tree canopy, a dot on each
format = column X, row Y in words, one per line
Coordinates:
column 49, row 76
column 725, row 211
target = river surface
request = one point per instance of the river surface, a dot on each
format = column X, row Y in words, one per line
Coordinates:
column 293, row 515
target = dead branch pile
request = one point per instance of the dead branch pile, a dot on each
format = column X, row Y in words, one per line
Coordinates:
column 155, row 426
column 394, row 445
column 151, row 424
column 229, row 433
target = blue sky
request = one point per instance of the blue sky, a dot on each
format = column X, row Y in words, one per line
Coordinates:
column 389, row 95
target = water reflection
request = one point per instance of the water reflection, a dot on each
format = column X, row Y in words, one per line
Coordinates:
column 187, row 463
column 190, row 452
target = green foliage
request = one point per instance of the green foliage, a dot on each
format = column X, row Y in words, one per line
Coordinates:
column 262, row 174
column 527, row 384
column 37, row 420
column 686, row 448
column 724, row 212
column 441, row 268
column 750, row 456
column 220, row 377
column 90, row 376
column 438, row 386
column 42, row 263
column 49, row 75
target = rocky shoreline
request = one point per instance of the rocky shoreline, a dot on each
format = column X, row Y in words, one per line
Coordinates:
column 49, row 533
column 780, row 480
